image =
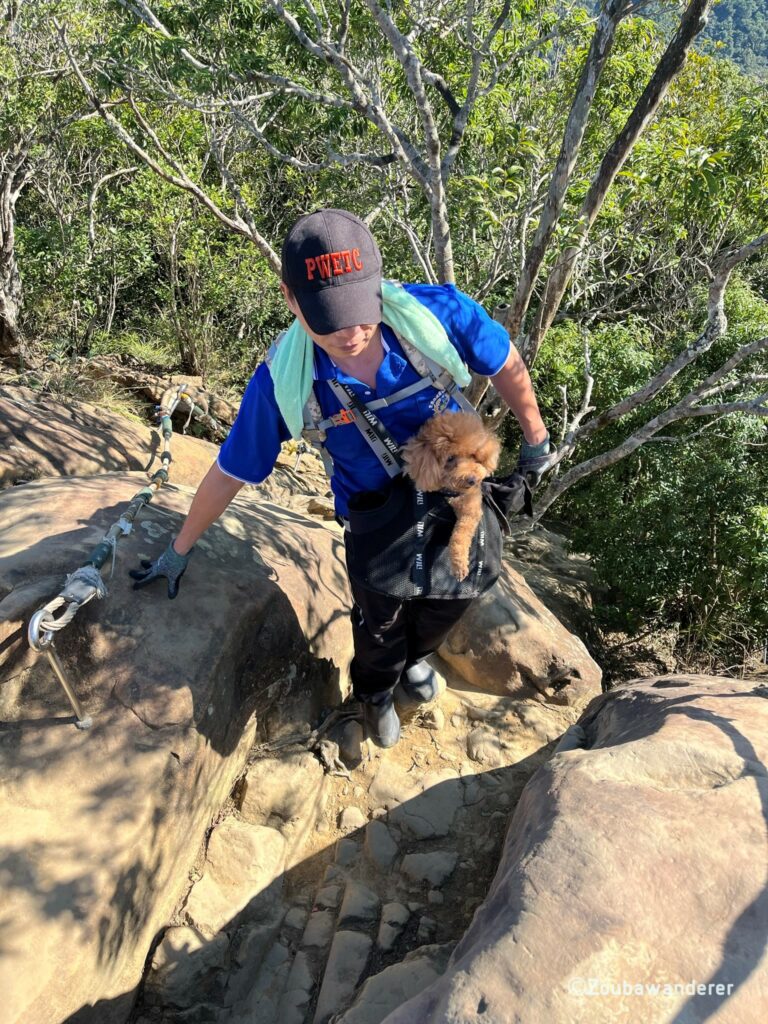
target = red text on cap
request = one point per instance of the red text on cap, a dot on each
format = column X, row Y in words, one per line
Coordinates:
column 331, row 264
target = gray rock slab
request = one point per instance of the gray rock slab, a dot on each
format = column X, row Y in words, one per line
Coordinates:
column 427, row 812
column 395, row 985
column 394, row 917
column 351, row 818
column 296, row 919
column 261, row 1004
column 248, row 950
column 380, row 848
column 299, row 987
column 182, row 967
column 319, row 931
column 390, row 784
column 346, row 963
column 360, row 906
column 243, row 869
column 334, row 875
column 435, row 867
column 471, row 789
column 328, row 897
column 346, row 849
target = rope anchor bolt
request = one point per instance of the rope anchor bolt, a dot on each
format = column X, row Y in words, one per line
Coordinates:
column 41, row 640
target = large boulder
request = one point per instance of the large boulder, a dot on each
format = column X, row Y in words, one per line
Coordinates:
column 43, row 437
column 564, row 580
column 632, row 884
column 101, row 827
column 509, row 643
column 243, row 869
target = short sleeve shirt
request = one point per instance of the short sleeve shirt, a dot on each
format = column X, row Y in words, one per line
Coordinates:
column 250, row 451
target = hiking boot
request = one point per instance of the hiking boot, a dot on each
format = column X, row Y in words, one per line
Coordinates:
column 418, row 685
column 380, row 718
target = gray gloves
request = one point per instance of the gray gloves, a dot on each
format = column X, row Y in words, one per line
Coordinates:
column 535, row 460
column 170, row 564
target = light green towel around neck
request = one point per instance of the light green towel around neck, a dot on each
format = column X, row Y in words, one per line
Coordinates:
column 292, row 366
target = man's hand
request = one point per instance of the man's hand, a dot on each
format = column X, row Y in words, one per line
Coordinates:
column 170, row 564
column 535, row 460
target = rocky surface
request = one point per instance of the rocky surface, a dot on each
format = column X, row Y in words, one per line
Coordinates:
column 563, row 580
column 100, row 828
column 509, row 642
column 634, row 860
column 389, row 875
column 336, row 878
column 42, row 437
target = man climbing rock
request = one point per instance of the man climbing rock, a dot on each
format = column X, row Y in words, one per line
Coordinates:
column 364, row 365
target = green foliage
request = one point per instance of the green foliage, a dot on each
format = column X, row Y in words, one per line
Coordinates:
column 677, row 531
column 140, row 269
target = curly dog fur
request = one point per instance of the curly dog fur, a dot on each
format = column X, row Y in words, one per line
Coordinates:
column 454, row 451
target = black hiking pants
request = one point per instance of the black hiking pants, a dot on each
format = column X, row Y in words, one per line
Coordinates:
column 390, row 635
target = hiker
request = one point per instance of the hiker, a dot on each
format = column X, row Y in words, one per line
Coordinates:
column 365, row 363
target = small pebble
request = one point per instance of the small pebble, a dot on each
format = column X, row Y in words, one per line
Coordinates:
column 351, row 818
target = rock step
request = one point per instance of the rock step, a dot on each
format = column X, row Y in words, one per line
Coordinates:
column 316, row 966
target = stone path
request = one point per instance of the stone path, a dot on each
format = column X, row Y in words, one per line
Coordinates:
column 365, row 879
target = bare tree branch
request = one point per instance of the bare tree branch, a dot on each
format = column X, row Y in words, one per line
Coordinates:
column 361, row 91
column 414, row 72
column 599, row 51
column 686, row 408
column 715, row 327
column 93, row 196
column 691, row 24
column 179, row 178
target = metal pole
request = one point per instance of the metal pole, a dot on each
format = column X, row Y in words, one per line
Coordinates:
column 45, row 645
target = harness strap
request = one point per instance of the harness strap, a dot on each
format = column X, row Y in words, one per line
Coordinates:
column 438, row 377
column 384, row 446
column 314, row 424
column 397, row 396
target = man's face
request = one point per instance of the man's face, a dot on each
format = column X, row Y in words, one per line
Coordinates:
column 343, row 344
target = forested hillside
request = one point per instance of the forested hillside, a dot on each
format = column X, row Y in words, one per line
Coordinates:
column 740, row 27
column 153, row 154
column 737, row 30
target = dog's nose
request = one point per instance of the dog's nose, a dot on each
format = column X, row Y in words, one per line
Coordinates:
column 470, row 481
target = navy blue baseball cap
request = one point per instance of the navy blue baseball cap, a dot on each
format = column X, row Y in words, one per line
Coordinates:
column 332, row 264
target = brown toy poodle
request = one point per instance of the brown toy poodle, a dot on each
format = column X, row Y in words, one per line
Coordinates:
column 454, row 451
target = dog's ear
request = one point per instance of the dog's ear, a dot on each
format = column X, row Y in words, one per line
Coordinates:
column 421, row 465
column 489, row 452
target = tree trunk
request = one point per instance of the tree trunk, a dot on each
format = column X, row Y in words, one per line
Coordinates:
column 599, row 51
column 10, row 279
column 15, row 171
column 692, row 22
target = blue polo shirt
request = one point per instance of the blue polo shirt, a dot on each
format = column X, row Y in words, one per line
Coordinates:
column 251, row 449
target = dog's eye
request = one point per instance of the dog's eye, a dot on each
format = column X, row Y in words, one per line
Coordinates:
column 450, row 460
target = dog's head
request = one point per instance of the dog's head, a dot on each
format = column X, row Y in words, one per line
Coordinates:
column 453, row 451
